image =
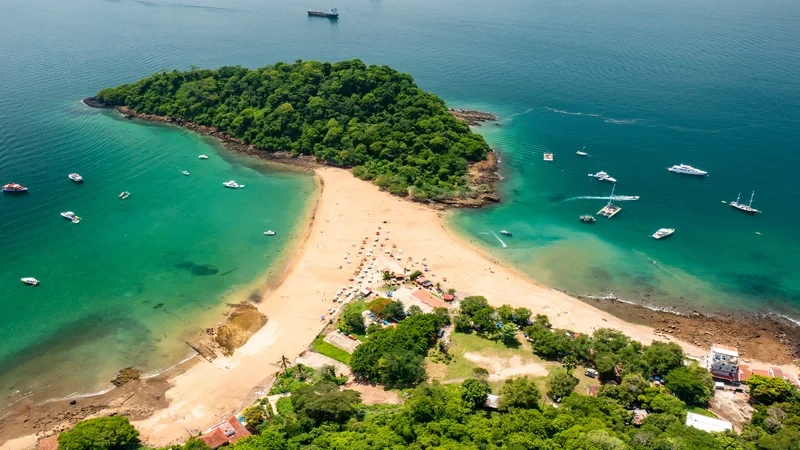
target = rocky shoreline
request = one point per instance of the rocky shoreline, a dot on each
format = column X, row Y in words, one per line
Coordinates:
column 758, row 337
column 483, row 175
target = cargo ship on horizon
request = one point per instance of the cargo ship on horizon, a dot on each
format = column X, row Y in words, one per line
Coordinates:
column 331, row 13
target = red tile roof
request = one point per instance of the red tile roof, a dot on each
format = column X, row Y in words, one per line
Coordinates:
column 227, row 432
column 448, row 297
column 761, row 372
column 744, row 372
column 428, row 298
column 776, row 372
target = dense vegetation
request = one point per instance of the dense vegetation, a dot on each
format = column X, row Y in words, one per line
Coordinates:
column 371, row 118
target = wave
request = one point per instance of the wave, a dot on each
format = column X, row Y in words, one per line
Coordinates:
column 570, row 113
column 785, row 317
column 621, row 121
column 614, row 298
column 619, row 198
column 512, row 116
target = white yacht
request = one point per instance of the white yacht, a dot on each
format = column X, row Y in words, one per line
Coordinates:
column 687, row 169
column 75, row 177
column 748, row 208
column 30, row 281
column 663, row 232
column 233, row 184
column 185, row 172
column 69, row 215
column 269, row 233
column 602, row 176
column 124, row 195
column 203, row 157
column 582, row 152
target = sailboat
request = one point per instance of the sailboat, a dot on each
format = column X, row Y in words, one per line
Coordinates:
column 748, row 208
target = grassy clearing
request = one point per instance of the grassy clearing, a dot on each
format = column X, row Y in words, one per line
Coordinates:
column 330, row 350
column 284, row 406
column 701, row 411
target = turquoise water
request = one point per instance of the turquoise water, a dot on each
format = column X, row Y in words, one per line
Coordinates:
column 644, row 85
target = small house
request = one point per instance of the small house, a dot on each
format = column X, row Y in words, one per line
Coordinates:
column 224, row 433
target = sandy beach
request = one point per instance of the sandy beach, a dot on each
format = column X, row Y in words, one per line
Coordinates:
column 348, row 210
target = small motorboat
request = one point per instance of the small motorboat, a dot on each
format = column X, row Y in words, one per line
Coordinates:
column 269, row 233
column 582, row 152
column 30, row 281
column 203, row 157
column 14, row 187
column 76, row 178
column 586, row 218
column 602, row 176
column 124, row 195
column 69, row 215
column 663, row 232
column 505, row 232
column 185, row 172
column 548, row 156
column 232, row 184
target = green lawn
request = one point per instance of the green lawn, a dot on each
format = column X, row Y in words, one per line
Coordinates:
column 701, row 411
column 284, row 406
column 330, row 350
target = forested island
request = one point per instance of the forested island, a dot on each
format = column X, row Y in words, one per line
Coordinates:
column 372, row 119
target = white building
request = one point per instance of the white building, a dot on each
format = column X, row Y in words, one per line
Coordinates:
column 708, row 424
column 723, row 362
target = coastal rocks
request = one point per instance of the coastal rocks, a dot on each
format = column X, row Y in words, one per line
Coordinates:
column 472, row 118
column 125, row 376
column 242, row 322
column 94, row 102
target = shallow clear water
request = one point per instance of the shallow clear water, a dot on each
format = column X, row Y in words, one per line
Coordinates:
column 643, row 85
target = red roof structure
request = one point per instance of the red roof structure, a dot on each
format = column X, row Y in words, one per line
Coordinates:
column 744, row 373
column 448, row 297
column 428, row 298
column 227, row 432
column 776, row 372
column 761, row 372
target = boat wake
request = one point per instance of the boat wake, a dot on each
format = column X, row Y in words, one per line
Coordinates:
column 618, row 198
column 501, row 241
column 512, row 116
column 570, row 113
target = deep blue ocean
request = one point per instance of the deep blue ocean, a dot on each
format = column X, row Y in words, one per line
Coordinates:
column 642, row 85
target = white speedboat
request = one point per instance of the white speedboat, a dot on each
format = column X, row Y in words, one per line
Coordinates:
column 505, row 232
column 69, row 215
column 30, row 281
column 124, row 195
column 76, row 178
column 582, row 152
column 602, row 176
column 185, row 172
column 688, row 170
column 203, row 157
column 663, row 232
column 232, row 184
column 269, row 233
column 548, row 156
column 748, row 208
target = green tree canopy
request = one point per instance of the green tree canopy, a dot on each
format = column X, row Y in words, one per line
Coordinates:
column 519, row 393
column 694, row 385
column 662, row 357
column 371, row 118
column 102, row 433
column 560, row 383
column 769, row 390
column 324, row 402
column 474, row 392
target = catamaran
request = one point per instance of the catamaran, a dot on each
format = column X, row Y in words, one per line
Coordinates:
column 124, row 195
column 602, row 176
column 748, row 208
column 688, row 170
column 663, row 232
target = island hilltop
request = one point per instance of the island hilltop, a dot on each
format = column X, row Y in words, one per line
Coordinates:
column 372, row 119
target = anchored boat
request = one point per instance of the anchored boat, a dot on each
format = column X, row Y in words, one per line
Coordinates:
column 586, row 218
column 748, row 208
column 663, row 232
column 687, row 170
column 232, row 184
column 76, row 178
column 30, row 281
column 69, row 215
column 331, row 13
column 602, row 176
column 14, row 187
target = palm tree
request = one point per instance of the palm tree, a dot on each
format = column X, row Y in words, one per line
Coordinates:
column 301, row 374
column 284, row 362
